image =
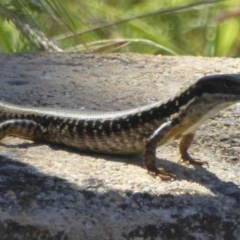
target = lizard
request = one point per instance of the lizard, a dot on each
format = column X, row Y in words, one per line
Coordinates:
column 128, row 132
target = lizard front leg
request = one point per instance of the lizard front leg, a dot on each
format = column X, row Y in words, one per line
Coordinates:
column 184, row 144
column 150, row 152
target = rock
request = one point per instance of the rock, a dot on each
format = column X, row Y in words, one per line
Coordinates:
column 49, row 192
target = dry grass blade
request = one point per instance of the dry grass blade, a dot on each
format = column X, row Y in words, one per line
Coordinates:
column 106, row 44
column 159, row 12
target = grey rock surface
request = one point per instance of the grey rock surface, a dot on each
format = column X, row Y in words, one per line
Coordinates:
column 49, row 192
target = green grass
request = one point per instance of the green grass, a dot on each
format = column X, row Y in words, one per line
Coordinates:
column 177, row 27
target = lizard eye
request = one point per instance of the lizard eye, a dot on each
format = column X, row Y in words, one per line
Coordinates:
column 228, row 84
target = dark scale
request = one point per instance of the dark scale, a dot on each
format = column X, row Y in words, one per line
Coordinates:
column 30, row 126
column 31, row 117
column 134, row 120
column 106, row 127
column 61, row 125
column 126, row 122
column 71, row 126
column 97, row 128
column 90, row 127
column 22, row 116
column 48, row 121
column 28, row 116
column 94, row 127
column 119, row 124
column 80, row 127
column 37, row 129
column 185, row 97
column 156, row 113
column 145, row 116
column 16, row 116
column 169, row 108
column 56, row 122
column 39, row 119
column 35, row 118
column 23, row 124
column 16, row 124
column 3, row 117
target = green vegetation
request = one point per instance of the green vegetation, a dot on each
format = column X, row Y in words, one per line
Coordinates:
column 177, row 27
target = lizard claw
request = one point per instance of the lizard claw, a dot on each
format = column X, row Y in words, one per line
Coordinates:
column 165, row 175
column 162, row 173
column 187, row 159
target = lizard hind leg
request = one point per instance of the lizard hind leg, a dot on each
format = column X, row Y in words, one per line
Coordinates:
column 21, row 127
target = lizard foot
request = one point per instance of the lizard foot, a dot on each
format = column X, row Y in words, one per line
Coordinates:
column 150, row 158
column 165, row 175
column 186, row 158
column 162, row 173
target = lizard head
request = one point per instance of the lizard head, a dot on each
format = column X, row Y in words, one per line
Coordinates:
column 226, row 86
